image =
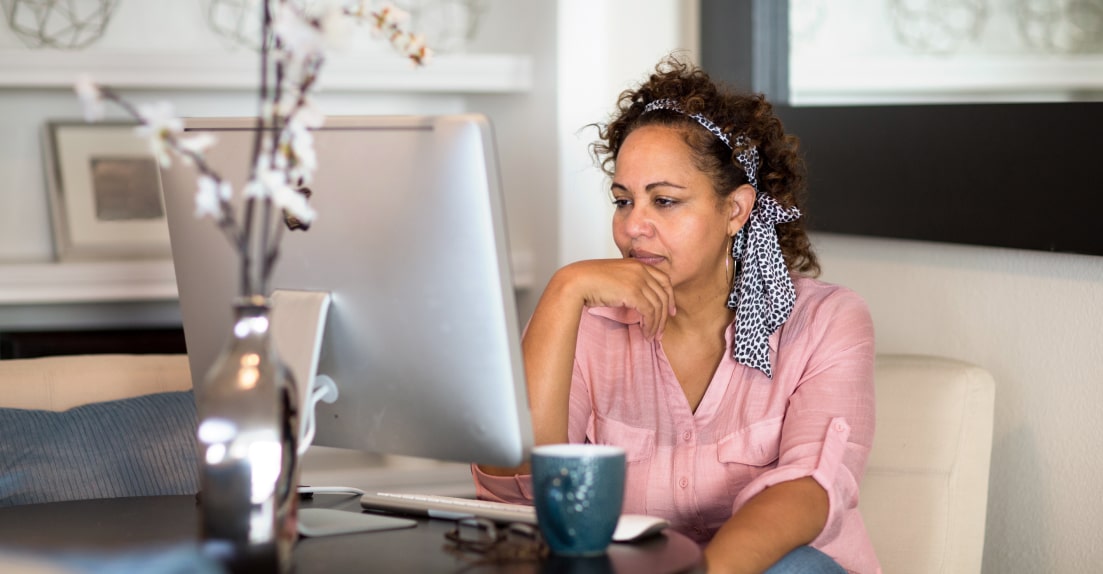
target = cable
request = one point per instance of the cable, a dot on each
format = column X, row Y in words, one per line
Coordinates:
column 330, row 490
column 325, row 389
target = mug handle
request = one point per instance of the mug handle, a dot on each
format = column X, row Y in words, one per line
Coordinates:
column 553, row 496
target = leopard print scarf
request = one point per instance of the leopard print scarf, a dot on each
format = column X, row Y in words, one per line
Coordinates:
column 762, row 292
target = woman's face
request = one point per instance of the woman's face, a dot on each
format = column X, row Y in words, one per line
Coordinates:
column 666, row 212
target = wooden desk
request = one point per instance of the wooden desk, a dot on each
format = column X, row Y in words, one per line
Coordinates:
column 133, row 523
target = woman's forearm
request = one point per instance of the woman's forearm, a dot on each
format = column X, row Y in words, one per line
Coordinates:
column 768, row 526
column 549, row 347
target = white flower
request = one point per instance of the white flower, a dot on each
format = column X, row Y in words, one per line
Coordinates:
column 302, row 151
column 295, row 74
column 294, row 202
column 417, row 50
column 336, row 28
column 308, row 116
column 158, row 125
column 358, row 8
column 266, row 180
column 390, row 16
column 209, row 198
column 298, row 36
column 255, row 190
column 160, row 116
column 281, row 163
column 272, row 184
column 91, row 98
column 390, row 21
column 196, row 144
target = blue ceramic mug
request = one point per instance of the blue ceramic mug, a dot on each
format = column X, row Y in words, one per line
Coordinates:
column 579, row 492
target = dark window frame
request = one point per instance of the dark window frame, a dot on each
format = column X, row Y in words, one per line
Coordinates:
column 1016, row 175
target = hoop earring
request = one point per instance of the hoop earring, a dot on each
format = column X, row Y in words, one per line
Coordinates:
column 728, row 254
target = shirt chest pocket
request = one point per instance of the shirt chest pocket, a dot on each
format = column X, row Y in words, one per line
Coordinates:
column 748, row 452
column 639, row 448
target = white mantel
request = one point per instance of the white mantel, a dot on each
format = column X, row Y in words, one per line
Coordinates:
column 450, row 73
column 93, row 282
column 86, row 282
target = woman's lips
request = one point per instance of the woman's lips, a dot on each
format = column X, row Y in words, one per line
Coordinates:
column 645, row 257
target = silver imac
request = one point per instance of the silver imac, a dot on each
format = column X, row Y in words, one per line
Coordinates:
column 422, row 333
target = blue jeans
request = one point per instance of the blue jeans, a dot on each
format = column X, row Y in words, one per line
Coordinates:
column 806, row 560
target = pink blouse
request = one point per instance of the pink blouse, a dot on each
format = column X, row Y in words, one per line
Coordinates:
column 696, row 468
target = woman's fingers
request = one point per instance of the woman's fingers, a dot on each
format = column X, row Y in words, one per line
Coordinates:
column 665, row 291
column 653, row 313
column 629, row 283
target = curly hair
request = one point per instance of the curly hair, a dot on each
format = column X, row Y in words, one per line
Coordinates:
column 781, row 173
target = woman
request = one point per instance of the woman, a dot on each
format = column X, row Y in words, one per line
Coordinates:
column 740, row 387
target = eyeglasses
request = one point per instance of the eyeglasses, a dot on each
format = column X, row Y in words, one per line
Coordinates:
column 512, row 543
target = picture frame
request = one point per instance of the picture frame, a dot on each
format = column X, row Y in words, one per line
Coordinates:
column 105, row 194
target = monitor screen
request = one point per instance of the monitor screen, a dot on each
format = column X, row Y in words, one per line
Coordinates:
column 422, row 334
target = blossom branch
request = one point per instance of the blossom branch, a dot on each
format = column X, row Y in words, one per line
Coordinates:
column 166, row 130
column 283, row 160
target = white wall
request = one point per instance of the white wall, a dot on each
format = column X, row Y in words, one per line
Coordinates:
column 1034, row 320
column 525, row 127
column 604, row 48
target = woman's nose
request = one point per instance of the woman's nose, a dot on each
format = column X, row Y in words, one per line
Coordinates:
column 638, row 223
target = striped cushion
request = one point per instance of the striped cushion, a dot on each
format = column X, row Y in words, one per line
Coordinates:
column 140, row 446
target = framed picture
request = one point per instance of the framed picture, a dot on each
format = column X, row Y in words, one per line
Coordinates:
column 105, row 193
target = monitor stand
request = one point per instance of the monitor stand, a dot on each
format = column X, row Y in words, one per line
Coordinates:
column 298, row 327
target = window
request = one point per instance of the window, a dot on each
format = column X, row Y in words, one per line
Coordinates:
column 907, row 142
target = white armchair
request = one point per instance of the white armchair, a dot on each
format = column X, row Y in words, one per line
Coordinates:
column 925, row 493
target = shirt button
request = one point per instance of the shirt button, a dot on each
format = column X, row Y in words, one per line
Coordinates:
column 684, row 482
column 687, row 436
column 840, row 427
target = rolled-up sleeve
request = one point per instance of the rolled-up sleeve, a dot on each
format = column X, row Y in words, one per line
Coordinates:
column 829, row 423
column 516, row 489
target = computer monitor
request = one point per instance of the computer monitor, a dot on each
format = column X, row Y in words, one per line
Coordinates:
column 422, row 333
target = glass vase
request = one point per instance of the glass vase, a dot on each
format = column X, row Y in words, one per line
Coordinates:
column 248, row 448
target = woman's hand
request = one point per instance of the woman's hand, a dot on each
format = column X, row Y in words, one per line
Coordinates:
column 621, row 283
column 549, row 342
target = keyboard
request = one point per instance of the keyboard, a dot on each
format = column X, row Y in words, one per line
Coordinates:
column 630, row 527
column 447, row 507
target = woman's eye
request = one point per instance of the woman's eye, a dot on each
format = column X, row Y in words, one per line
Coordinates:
column 664, row 201
column 621, row 202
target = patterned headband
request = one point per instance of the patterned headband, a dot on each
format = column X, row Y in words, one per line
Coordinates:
column 748, row 158
column 762, row 291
